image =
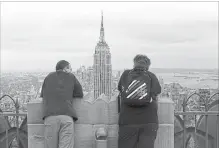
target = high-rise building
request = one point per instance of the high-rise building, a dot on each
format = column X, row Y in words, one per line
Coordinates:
column 102, row 67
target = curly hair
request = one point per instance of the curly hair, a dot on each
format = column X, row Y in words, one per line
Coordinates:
column 142, row 61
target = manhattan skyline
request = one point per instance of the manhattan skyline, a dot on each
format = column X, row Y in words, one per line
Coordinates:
column 35, row 36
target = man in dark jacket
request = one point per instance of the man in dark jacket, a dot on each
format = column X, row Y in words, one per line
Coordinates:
column 58, row 90
column 138, row 125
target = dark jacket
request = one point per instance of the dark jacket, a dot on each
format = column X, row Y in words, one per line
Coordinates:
column 58, row 90
column 140, row 115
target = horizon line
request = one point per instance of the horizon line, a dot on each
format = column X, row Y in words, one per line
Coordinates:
column 41, row 70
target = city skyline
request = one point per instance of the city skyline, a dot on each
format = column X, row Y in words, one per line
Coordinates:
column 174, row 35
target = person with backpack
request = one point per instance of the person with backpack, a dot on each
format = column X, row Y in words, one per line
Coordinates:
column 138, row 119
column 58, row 91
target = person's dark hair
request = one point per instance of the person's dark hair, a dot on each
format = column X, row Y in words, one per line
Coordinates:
column 142, row 62
column 61, row 65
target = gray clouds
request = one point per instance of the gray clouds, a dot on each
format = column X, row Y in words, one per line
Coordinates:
column 170, row 33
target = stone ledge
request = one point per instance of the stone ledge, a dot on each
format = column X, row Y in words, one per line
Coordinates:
column 101, row 114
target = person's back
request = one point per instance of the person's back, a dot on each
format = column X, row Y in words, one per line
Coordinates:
column 139, row 115
column 58, row 91
column 138, row 124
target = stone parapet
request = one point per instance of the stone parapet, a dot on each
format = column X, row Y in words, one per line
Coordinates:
column 100, row 113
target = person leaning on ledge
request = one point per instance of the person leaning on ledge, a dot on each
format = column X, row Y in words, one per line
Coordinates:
column 138, row 125
column 58, row 90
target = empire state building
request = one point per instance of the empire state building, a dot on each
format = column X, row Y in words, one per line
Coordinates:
column 102, row 67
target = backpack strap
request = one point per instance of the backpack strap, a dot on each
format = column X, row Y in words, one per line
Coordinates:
column 151, row 84
column 151, row 87
column 146, row 72
column 129, row 74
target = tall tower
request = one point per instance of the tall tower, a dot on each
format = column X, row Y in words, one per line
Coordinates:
column 102, row 67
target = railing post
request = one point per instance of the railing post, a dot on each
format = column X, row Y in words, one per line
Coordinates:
column 184, row 125
column 17, row 121
column 217, row 132
column 6, row 138
column 165, row 135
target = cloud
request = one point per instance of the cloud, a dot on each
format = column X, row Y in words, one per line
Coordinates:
column 37, row 60
column 47, row 32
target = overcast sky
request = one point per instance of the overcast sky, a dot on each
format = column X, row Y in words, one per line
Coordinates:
column 35, row 36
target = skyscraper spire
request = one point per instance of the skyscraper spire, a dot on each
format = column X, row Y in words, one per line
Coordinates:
column 102, row 19
column 102, row 29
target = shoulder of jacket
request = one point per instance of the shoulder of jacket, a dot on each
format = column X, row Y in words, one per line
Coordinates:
column 50, row 74
column 151, row 73
column 72, row 76
column 126, row 71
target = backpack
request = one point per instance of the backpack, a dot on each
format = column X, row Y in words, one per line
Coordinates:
column 137, row 90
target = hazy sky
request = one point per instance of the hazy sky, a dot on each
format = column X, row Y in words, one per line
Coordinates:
column 35, row 36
